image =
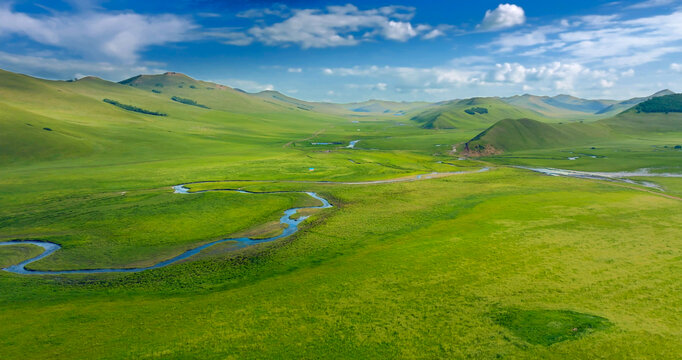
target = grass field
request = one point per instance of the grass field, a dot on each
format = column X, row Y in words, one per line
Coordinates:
column 506, row 263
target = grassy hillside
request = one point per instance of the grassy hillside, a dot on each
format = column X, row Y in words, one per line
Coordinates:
column 522, row 134
column 656, row 115
column 627, row 104
column 214, row 96
column 469, row 113
column 43, row 119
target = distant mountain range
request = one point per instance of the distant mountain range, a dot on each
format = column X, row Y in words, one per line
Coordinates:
column 41, row 118
column 570, row 106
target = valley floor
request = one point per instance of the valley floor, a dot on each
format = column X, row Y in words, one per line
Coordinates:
column 438, row 268
column 449, row 262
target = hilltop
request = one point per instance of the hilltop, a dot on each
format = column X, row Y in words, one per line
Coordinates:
column 211, row 95
column 522, row 134
column 469, row 113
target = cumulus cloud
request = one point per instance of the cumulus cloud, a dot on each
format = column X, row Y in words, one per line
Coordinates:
column 556, row 75
column 97, row 35
column 504, row 16
column 332, row 26
column 676, row 67
column 623, row 43
column 443, row 80
column 53, row 68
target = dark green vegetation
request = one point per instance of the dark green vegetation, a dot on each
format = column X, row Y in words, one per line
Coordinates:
column 494, row 264
column 476, row 110
column 131, row 108
column 188, row 102
column 662, row 104
column 547, row 327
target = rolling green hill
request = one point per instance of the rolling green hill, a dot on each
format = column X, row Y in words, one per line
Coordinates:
column 656, row 115
column 469, row 113
column 523, row 134
column 44, row 119
column 211, row 95
column 627, row 104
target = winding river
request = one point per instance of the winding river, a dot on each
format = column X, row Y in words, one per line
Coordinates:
column 291, row 227
column 287, row 219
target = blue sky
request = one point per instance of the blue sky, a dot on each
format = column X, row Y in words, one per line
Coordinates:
column 353, row 51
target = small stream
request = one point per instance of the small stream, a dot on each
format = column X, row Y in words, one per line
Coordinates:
column 287, row 219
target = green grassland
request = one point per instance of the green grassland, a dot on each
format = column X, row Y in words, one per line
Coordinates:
column 499, row 264
column 10, row 255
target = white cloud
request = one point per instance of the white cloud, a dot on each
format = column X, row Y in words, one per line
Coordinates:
column 246, row 85
column 52, row 68
column 628, row 73
column 504, row 16
column 433, row 34
column 475, row 79
column 556, row 75
column 97, row 35
column 378, row 86
column 333, row 26
column 295, row 70
column 229, row 37
column 209, row 15
column 651, row 3
column 676, row 67
column 279, row 10
column 602, row 39
column 398, row 30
